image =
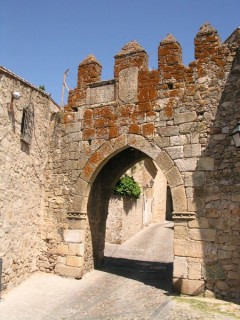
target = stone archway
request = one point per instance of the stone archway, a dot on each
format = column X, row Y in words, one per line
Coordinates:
column 121, row 154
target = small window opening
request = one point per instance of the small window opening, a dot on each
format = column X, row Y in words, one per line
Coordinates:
column 27, row 124
column 170, row 86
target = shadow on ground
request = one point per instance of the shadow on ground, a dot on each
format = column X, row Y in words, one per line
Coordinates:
column 156, row 274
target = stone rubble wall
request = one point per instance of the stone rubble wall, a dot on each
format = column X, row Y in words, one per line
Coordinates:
column 22, row 179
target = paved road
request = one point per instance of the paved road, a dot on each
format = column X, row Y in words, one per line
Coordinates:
column 135, row 283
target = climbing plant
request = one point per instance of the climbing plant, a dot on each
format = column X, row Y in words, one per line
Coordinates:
column 127, row 187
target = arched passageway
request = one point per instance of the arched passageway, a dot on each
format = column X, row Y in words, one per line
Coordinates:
column 141, row 268
column 100, row 194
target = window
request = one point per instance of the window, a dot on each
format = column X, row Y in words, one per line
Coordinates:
column 27, row 124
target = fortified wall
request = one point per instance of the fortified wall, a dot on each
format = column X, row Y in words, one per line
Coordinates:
column 179, row 117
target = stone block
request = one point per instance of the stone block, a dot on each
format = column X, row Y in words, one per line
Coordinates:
column 179, row 199
column 233, row 275
column 173, row 177
column 76, row 223
column 202, row 234
column 76, row 249
column 186, row 128
column 194, row 179
column 68, row 271
column 180, row 269
column 74, row 235
column 236, row 197
column 223, row 254
column 185, row 165
column 194, row 269
column 76, row 202
column 189, row 287
column 206, row 164
column 164, row 161
column 169, row 131
column 222, row 285
column 162, row 141
column 185, row 117
column 180, row 232
column 61, row 260
column 185, row 248
column 62, row 249
column 74, row 261
column 192, row 150
column 201, row 223
column 175, row 152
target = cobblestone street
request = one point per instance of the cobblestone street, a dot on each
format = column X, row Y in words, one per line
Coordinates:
column 135, row 283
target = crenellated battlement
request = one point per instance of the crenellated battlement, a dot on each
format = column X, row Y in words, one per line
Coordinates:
column 210, row 54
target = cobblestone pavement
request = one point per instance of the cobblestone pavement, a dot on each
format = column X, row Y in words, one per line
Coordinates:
column 133, row 284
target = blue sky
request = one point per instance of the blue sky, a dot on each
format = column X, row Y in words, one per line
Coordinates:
column 40, row 40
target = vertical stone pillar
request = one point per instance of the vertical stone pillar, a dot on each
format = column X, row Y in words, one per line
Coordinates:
column 206, row 42
column 131, row 55
column 71, row 250
column 170, row 60
column 169, row 52
column 89, row 71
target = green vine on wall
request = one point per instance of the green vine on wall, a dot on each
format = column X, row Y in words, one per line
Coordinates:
column 127, row 187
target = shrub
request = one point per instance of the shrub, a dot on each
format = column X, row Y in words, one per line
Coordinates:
column 127, row 187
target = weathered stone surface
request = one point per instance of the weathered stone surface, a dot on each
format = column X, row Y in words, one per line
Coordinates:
column 74, row 261
column 164, row 161
column 181, row 232
column 195, row 269
column 62, row 249
column 179, row 199
column 173, row 177
column 175, row 152
column 128, row 84
column 185, row 117
column 202, row 234
column 68, row 271
column 101, row 94
column 196, row 179
column 184, row 248
column 74, row 236
column 191, row 151
column 190, row 287
column 180, row 268
column 206, row 164
column 76, row 249
column 185, row 165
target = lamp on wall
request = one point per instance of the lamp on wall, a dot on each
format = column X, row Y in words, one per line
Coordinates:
column 236, row 135
column 16, row 95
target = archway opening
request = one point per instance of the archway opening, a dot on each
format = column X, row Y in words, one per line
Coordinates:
column 147, row 214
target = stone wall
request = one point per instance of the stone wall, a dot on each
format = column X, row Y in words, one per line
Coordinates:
column 22, row 168
column 181, row 118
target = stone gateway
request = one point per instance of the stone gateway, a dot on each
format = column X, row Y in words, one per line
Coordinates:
column 57, row 187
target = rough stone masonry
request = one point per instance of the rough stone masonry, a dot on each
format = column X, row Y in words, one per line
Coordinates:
column 180, row 118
